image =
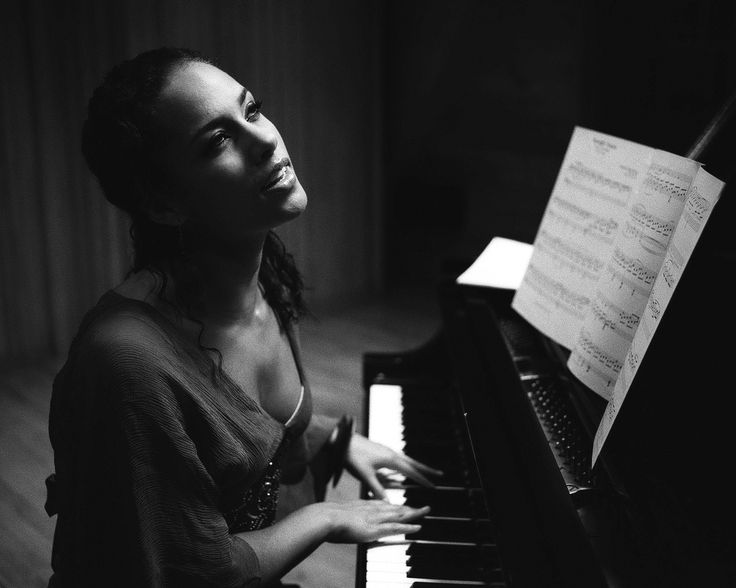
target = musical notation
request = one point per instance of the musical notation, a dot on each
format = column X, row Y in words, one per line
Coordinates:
column 666, row 181
column 630, row 271
column 582, row 220
column 650, row 230
column 580, row 224
column 697, row 209
column 573, row 258
column 589, row 362
column 584, row 175
column 555, row 292
column 670, row 271
column 610, row 316
column 572, row 184
column 655, row 308
column 702, row 196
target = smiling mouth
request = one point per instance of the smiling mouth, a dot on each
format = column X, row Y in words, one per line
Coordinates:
column 279, row 175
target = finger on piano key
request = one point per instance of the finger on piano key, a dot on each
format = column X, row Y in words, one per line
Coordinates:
column 396, row 495
column 391, row 480
column 392, row 539
column 423, row 467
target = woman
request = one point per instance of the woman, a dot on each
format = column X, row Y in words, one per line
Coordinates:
column 183, row 403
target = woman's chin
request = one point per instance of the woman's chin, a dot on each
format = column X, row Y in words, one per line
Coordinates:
column 296, row 203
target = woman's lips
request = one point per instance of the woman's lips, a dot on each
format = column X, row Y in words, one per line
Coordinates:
column 282, row 177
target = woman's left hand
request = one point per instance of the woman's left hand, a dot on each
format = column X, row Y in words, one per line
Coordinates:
column 365, row 457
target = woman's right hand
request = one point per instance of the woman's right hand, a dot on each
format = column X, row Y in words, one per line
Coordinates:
column 362, row 521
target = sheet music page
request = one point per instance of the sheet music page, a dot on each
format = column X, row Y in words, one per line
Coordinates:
column 597, row 177
column 501, row 265
column 701, row 198
column 631, row 267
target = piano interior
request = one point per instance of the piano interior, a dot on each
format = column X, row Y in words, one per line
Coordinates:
column 490, row 401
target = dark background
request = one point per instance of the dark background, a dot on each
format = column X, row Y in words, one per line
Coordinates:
column 420, row 128
column 483, row 98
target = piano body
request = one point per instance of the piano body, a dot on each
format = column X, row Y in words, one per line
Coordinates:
column 490, row 401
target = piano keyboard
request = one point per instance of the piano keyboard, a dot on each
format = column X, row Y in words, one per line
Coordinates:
column 455, row 546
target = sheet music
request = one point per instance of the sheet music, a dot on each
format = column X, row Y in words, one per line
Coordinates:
column 501, row 265
column 701, row 197
column 598, row 175
column 634, row 260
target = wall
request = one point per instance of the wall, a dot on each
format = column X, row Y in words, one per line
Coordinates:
column 420, row 129
column 316, row 67
column 482, row 98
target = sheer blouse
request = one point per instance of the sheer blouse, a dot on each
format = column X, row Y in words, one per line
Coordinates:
column 160, row 460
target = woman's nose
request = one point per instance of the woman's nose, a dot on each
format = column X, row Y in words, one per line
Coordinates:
column 262, row 142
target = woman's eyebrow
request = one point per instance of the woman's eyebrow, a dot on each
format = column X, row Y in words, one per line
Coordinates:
column 218, row 120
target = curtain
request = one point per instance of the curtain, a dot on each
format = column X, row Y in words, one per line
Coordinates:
column 316, row 65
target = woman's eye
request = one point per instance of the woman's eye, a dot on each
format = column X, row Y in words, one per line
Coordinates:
column 218, row 141
column 253, row 110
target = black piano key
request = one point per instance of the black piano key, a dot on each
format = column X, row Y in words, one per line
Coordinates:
column 433, row 434
column 432, row 437
column 436, row 565
column 454, row 530
column 444, row 450
column 448, row 502
column 447, row 573
column 454, row 473
column 449, row 569
column 449, row 467
column 454, row 562
column 420, row 584
column 439, row 572
column 439, row 551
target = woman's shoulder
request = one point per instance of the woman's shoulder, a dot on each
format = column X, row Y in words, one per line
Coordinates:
column 121, row 346
column 121, row 329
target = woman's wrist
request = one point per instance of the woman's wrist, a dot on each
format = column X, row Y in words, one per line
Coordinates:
column 323, row 519
column 339, row 443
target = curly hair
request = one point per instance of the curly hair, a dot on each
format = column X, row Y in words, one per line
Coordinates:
column 119, row 138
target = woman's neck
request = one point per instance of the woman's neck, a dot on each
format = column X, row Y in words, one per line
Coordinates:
column 221, row 284
column 230, row 289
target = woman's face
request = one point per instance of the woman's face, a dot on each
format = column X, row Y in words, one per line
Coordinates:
column 226, row 168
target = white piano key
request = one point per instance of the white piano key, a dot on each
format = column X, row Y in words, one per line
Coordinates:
column 387, row 558
column 386, row 553
column 387, row 566
column 385, row 424
column 396, row 495
column 391, row 478
column 396, row 579
column 385, row 410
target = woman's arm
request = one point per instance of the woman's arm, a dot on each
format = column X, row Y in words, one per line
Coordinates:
column 283, row 545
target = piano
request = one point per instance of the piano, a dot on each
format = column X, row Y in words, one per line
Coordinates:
column 489, row 400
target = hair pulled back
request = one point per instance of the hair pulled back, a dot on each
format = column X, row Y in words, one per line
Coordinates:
column 119, row 139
